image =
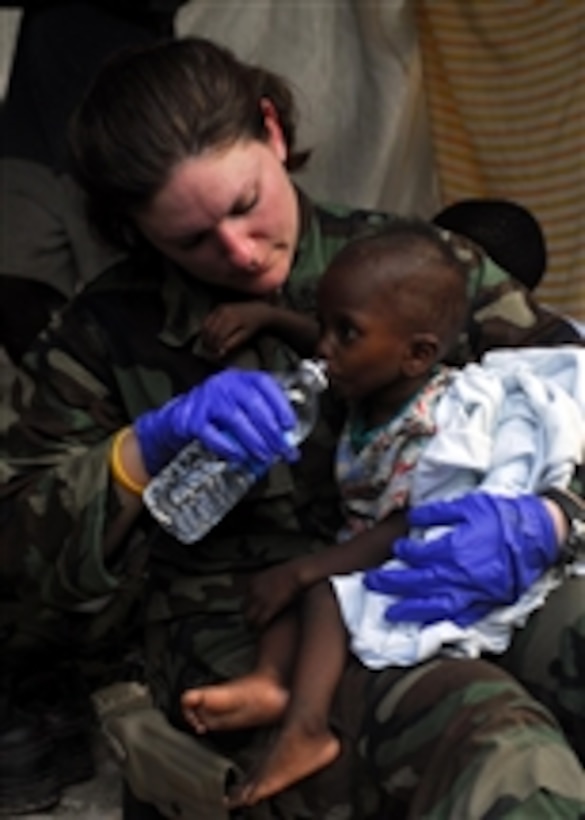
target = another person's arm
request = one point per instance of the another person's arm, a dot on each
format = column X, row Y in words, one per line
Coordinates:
column 63, row 517
column 494, row 548
column 73, row 471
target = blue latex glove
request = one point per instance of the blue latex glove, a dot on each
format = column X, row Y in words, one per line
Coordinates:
column 496, row 548
column 240, row 415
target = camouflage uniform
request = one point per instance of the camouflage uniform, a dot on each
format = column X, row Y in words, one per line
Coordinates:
column 422, row 742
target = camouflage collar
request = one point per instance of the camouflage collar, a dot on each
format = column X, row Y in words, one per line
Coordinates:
column 309, row 233
column 306, row 220
column 187, row 302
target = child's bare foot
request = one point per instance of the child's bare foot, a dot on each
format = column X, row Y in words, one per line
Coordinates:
column 294, row 756
column 253, row 700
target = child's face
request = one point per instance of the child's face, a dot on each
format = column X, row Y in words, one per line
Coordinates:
column 361, row 336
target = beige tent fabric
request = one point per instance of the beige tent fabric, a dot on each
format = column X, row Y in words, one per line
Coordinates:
column 505, row 82
column 356, row 71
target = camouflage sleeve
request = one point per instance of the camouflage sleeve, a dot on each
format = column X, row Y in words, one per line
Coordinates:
column 56, row 498
column 505, row 314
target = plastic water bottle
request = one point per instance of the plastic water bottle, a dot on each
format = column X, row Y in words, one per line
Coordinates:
column 197, row 488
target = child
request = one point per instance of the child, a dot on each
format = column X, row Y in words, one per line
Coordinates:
column 390, row 306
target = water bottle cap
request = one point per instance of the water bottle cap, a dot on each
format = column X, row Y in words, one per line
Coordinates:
column 316, row 370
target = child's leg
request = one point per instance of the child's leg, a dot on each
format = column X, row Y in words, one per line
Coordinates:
column 305, row 743
column 256, row 699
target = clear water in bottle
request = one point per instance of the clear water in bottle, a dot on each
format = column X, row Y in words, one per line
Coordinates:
column 197, row 488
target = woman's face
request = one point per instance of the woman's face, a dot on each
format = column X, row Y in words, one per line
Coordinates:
column 229, row 216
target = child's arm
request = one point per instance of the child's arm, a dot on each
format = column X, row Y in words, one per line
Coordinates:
column 368, row 549
column 230, row 325
column 273, row 589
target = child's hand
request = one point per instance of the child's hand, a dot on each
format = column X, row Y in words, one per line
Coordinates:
column 230, row 325
column 270, row 591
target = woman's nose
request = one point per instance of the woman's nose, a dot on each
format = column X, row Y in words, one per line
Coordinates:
column 239, row 247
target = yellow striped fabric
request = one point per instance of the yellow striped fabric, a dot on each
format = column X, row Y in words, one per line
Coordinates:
column 505, row 83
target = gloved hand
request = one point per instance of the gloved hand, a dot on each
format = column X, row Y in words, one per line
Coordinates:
column 240, row 415
column 495, row 549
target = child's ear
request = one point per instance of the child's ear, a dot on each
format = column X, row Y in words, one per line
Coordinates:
column 421, row 355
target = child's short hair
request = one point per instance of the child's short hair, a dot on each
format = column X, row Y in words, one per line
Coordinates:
column 506, row 231
column 440, row 300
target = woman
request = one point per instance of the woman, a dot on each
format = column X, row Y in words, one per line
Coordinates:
column 185, row 153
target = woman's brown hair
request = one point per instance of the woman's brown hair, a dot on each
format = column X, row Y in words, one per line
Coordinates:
column 151, row 107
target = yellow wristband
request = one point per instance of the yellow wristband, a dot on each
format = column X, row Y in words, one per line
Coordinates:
column 117, row 466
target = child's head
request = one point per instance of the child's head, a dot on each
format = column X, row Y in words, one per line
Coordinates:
column 505, row 230
column 390, row 306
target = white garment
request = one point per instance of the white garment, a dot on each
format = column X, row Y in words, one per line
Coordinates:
column 514, row 424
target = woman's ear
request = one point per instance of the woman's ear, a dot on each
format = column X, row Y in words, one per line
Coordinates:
column 275, row 137
column 421, row 354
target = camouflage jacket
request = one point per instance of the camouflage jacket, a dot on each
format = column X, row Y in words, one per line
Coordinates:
column 128, row 343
